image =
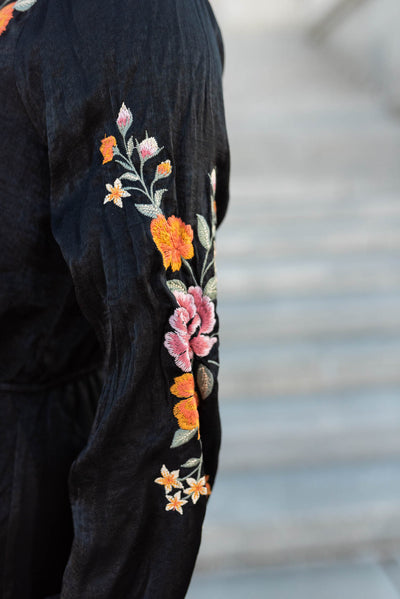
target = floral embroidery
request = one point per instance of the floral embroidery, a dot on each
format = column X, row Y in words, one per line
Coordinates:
column 193, row 318
column 169, row 479
column 174, row 240
column 6, row 13
column 116, row 193
column 106, row 148
column 164, row 169
column 175, row 502
column 186, row 411
column 196, row 488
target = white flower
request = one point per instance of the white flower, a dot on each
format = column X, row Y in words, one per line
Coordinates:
column 196, row 488
column 175, row 502
column 169, row 479
column 116, row 193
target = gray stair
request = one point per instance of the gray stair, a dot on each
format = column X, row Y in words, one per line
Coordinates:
column 345, row 580
column 309, row 301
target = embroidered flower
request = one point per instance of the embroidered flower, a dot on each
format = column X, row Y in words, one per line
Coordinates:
column 174, row 240
column 183, row 386
column 164, row 169
column 175, row 502
column 6, row 14
column 196, row 488
column 169, row 479
column 124, row 119
column 116, row 193
column 106, row 148
column 191, row 321
column 148, row 148
column 186, row 413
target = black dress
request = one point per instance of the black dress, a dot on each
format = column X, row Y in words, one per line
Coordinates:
column 114, row 169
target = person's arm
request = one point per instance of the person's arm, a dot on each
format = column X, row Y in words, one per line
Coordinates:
column 130, row 105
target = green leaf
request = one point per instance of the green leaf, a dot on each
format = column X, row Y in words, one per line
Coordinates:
column 203, row 231
column 148, row 210
column 190, row 463
column 205, row 381
column 130, row 146
column 182, row 436
column 176, row 285
column 130, row 176
column 158, row 196
column 211, row 288
column 23, row 5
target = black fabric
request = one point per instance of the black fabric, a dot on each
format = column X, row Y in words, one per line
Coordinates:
column 109, row 350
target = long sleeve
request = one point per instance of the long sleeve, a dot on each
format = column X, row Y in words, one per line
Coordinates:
column 127, row 96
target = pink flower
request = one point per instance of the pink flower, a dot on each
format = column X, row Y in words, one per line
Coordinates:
column 124, row 119
column 191, row 322
column 148, row 147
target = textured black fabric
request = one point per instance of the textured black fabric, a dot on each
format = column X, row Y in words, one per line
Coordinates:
column 109, row 335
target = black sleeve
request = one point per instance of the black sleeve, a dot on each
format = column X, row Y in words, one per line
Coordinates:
column 128, row 97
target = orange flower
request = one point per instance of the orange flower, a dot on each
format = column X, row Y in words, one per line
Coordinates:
column 164, row 169
column 174, row 240
column 169, row 479
column 186, row 413
column 183, row 386
column 106, row 148
column 6, row 14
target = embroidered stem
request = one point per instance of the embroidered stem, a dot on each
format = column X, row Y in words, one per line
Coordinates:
column 186, row 263
column 208, row 267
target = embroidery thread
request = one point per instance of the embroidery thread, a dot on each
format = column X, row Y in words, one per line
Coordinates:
column 193, row 319
column 6, row 12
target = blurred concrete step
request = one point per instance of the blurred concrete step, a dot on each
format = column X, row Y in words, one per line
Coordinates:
column 328, row 581
column 263, row 277
column 262, row 370
column 273, row 239
column 305, row 513
column 305, row 430
column 309, row 318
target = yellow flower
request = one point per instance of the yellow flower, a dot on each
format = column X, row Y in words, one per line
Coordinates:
column 173, row 239
column 196, row 488
column 169, row 479
column 106, row 148
column 164, row 169
column 175, row 502
column 6, row 14
column 116, row 193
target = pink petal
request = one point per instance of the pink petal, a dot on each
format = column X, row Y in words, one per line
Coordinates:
column 179, row 320
column 185, row 300
column 175, row 344
column 202, row 344
column 183, row 362
column 205, row 309
column 196, row 322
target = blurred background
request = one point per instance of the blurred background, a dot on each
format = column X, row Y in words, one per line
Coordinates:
column 307, row 500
